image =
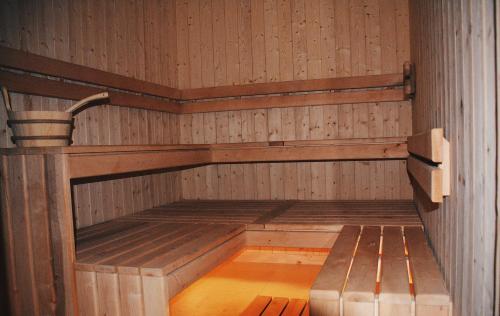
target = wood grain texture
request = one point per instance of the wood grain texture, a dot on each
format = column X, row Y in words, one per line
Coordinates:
column 298, row 40
column 121, row 46
column 261, row 43
column 428, row 177
column 327, row 289
column 453, row 50
column 428, row 145
column 38, row 235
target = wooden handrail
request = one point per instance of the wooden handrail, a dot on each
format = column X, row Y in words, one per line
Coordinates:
column 17, row 59
column 266, row 102
column 342, row 83
column 162, row 98
column 24, row 83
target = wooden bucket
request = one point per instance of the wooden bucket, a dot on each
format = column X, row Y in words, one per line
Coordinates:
column 41, row 128
column 44, row 128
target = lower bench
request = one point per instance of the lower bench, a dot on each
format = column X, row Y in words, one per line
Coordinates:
column 135, row 268
column 380, row 271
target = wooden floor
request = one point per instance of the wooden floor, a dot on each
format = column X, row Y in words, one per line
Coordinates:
column 231, row 287
column 163, row 250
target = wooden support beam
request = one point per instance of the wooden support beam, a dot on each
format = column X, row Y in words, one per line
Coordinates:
column 91, row 165
column 309, row 153
column 342, row 83
column 24, row 83
column 429, row 178
column 428, row 145
column 90, row 161
column 266, row 102
column 16, row 59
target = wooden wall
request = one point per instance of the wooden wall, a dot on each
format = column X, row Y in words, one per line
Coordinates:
column 203, row 43
column 249, row 41
column 452, row 45
column 131, row 38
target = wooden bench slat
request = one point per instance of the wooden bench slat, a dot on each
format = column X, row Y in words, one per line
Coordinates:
column 258, row 305
column 359, row 293
column 136, row 235
column 428, row 145
column 394, row 297
column 326, row 290
column 127, row 255
column 431, row 296
column 176, row 257
column 295, row 307
column 276, row 307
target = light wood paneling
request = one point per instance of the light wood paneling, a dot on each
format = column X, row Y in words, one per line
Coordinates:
column 200, row 44
column 130, row 38
column 272, row 41
column 452, row 44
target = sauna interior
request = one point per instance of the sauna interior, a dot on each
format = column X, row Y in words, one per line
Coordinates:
column 249, row 157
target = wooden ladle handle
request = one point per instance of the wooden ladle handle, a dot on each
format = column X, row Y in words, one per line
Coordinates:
column 6, row 98
column 82, row 102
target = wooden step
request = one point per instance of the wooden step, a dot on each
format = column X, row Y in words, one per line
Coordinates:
column 268, row 306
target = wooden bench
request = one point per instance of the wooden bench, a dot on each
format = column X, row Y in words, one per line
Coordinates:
column 135, row 266
column 141, row 261
column 277, row 306
column 380, row 269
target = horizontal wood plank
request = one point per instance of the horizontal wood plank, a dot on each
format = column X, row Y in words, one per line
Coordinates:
column 431, row 296
column 108, row 164
column 20, row 60
column 327, row 289
column 284, row 101
column 355, row 82
column 258, row 305
column 310, row 153
column 395, row 296
column 28, row 84
column 24, row 83
column 429, row 178
column 428, row 145
column 359, row 292
column 91, row 161
column 276, row 307
column 17, row 59
column 295, row 307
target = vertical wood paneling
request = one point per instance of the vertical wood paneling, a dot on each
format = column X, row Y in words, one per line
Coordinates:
column 128, row 38
column 282, row 40
column 452, row 45
column 208, row 43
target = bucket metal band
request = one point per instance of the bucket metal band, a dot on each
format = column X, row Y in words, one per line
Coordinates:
column 38, row 121
column 55, row 137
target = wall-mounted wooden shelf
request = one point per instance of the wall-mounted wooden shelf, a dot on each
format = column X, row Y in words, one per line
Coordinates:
column 429, row 163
